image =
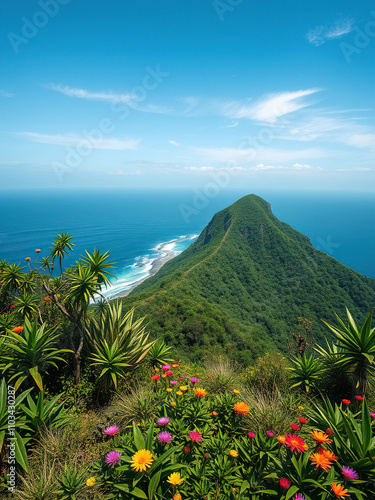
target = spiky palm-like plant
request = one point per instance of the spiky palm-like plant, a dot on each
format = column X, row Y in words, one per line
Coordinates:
column 305, row 372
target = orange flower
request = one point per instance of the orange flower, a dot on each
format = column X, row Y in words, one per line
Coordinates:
column 320, row 437
column 339, row 490
column 200, row 392
column 27, row 259
column 281, row 439
column 47, row 299
column 328, row 454
column 17, row 329
column 38, row 250
column 320, row 461
column 176, row 365
column 241, row 408
column 214, row 413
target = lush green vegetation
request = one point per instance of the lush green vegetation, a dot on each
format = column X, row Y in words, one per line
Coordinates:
column 83, row 387
column 244, row 283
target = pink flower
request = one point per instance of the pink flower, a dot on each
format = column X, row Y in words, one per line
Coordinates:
column 163, row 421
column 113, row 457
column 169, row 373
column 112, row 430
column 284, row 483
column 299, row 496
column 349, row 473
column 164, row 437
column 173, row 382
column 251, row 435
column 372, row 415
column 195, row 436
column 270, row 434
column 166, row 367
column 194, row 380
column 185, row 375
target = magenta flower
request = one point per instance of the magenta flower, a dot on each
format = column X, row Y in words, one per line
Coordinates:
column 113, row 457
column 111, row 430
column 299, row 496
column 194, row 380
column 166, row 367
column 349, row 473
column 251, row 435
column 372, row 415
column 195, row 436
column 173, row 382
column 164, row 437
column 163, row 421
column 185, row 375
column 270, row 434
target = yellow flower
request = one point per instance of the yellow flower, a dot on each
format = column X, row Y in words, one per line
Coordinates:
column 233, row 453
column 235, row 391
column 175, row 365
column 91, row 481
column 169, row 389
column 281, row 439
column 179, row 393
column 214, row 413
column 175, row 478
column 300, row 408
column 141, row 460
column 164, row 375
column 177, row 496
column 184, row 388
column 173, row 403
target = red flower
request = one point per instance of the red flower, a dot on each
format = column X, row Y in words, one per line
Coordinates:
column 360, row 398
column 47, row 299
column 206, row 455
column 180, row 379
column 12, row 306
column 329, row 432
column 302, row 420
column 295, row 427
column 17, row 329
column 295, row 443
column 155, row 377
column 186, row 449
column 169, row 373
column 284, row 483
column 346, row 401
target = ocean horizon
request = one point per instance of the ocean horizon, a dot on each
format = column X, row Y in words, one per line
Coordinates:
column 140, row 227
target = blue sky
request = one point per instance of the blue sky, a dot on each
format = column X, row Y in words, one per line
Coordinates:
column 173, row 94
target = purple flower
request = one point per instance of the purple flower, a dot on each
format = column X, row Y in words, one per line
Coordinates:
column 299, row 496
column 270, row 434
column 173, row 382
column 163, row 421
column 113, row 457
column 194, row 380
column 112, row 430
column 164, row 437
column 349, row 473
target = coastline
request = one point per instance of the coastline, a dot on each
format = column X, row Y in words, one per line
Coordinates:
column 155, row 266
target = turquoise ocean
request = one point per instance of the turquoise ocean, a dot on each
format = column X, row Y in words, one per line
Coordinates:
column 139, row 227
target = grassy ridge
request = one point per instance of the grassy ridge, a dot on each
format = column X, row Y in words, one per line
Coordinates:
column 244, row 283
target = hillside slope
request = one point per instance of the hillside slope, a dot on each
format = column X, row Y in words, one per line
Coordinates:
column 244, row 282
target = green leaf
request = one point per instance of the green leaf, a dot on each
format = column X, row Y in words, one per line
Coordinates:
column 36, row 376
column 153, row 485
column 138, row 438
column 21, row 455
column 293, row 489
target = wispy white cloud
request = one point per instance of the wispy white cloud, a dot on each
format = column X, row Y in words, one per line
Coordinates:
column 122, row 173
column 296, row 166
column 362, row 140
column 321, row 34
column 4, row 93
column 232, row 125
column 75, row 140
column 107, row 96
column 271, row 155
column 174, row 143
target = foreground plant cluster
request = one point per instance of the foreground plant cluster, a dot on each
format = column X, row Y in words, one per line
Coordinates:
column 102, row 411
